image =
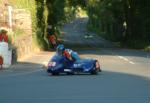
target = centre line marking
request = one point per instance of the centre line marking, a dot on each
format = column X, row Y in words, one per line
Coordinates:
column 125, row 59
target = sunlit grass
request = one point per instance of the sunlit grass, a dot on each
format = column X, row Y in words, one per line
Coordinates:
column 147, row 48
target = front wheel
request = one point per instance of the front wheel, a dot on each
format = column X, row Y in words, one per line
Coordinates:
column 94, row 72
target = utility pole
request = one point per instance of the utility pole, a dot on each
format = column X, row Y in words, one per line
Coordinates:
column 10, row 16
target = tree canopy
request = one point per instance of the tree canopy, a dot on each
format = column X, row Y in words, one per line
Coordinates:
column 123, row 21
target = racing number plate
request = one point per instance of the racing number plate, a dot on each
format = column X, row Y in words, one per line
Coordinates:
column 77, row 65
column 52, row 64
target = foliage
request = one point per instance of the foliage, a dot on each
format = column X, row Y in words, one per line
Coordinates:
column 60, row 11
column 125, row 21
column 40, row 25
column 147, row 48
column 48, row 12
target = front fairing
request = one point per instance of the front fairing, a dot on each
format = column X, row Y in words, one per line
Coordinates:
column 60, row 63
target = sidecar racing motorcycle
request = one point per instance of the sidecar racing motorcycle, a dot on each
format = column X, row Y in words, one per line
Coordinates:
column 59, row 64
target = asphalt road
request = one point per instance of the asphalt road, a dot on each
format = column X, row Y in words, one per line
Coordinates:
column 125, row 77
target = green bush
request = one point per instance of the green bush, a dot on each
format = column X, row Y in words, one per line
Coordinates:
column 147, row 48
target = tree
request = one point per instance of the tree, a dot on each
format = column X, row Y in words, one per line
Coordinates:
column 125, row 21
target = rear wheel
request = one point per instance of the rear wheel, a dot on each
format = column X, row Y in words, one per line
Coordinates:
column 55, row 73
column 94, row 71
column 70, row 73
column 97, row 66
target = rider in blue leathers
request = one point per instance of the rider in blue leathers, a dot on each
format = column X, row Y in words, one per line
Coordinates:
column 68, row 53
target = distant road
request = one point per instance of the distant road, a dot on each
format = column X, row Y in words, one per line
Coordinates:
column 75, row 35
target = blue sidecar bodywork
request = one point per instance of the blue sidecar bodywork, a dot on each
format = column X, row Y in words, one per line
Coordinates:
column 59, row 64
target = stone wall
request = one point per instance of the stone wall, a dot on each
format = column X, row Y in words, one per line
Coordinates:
column 3, row 16
column 21, row 20
column 23, row 42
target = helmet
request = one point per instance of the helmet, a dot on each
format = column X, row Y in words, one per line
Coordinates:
column 60, row 49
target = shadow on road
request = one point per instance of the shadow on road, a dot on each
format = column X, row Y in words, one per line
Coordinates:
column 108, row 86
column 21, row 68
column 105, row 87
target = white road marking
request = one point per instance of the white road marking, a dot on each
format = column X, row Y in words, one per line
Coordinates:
column 125, row 59
column 121, row 57
column 131, row 62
